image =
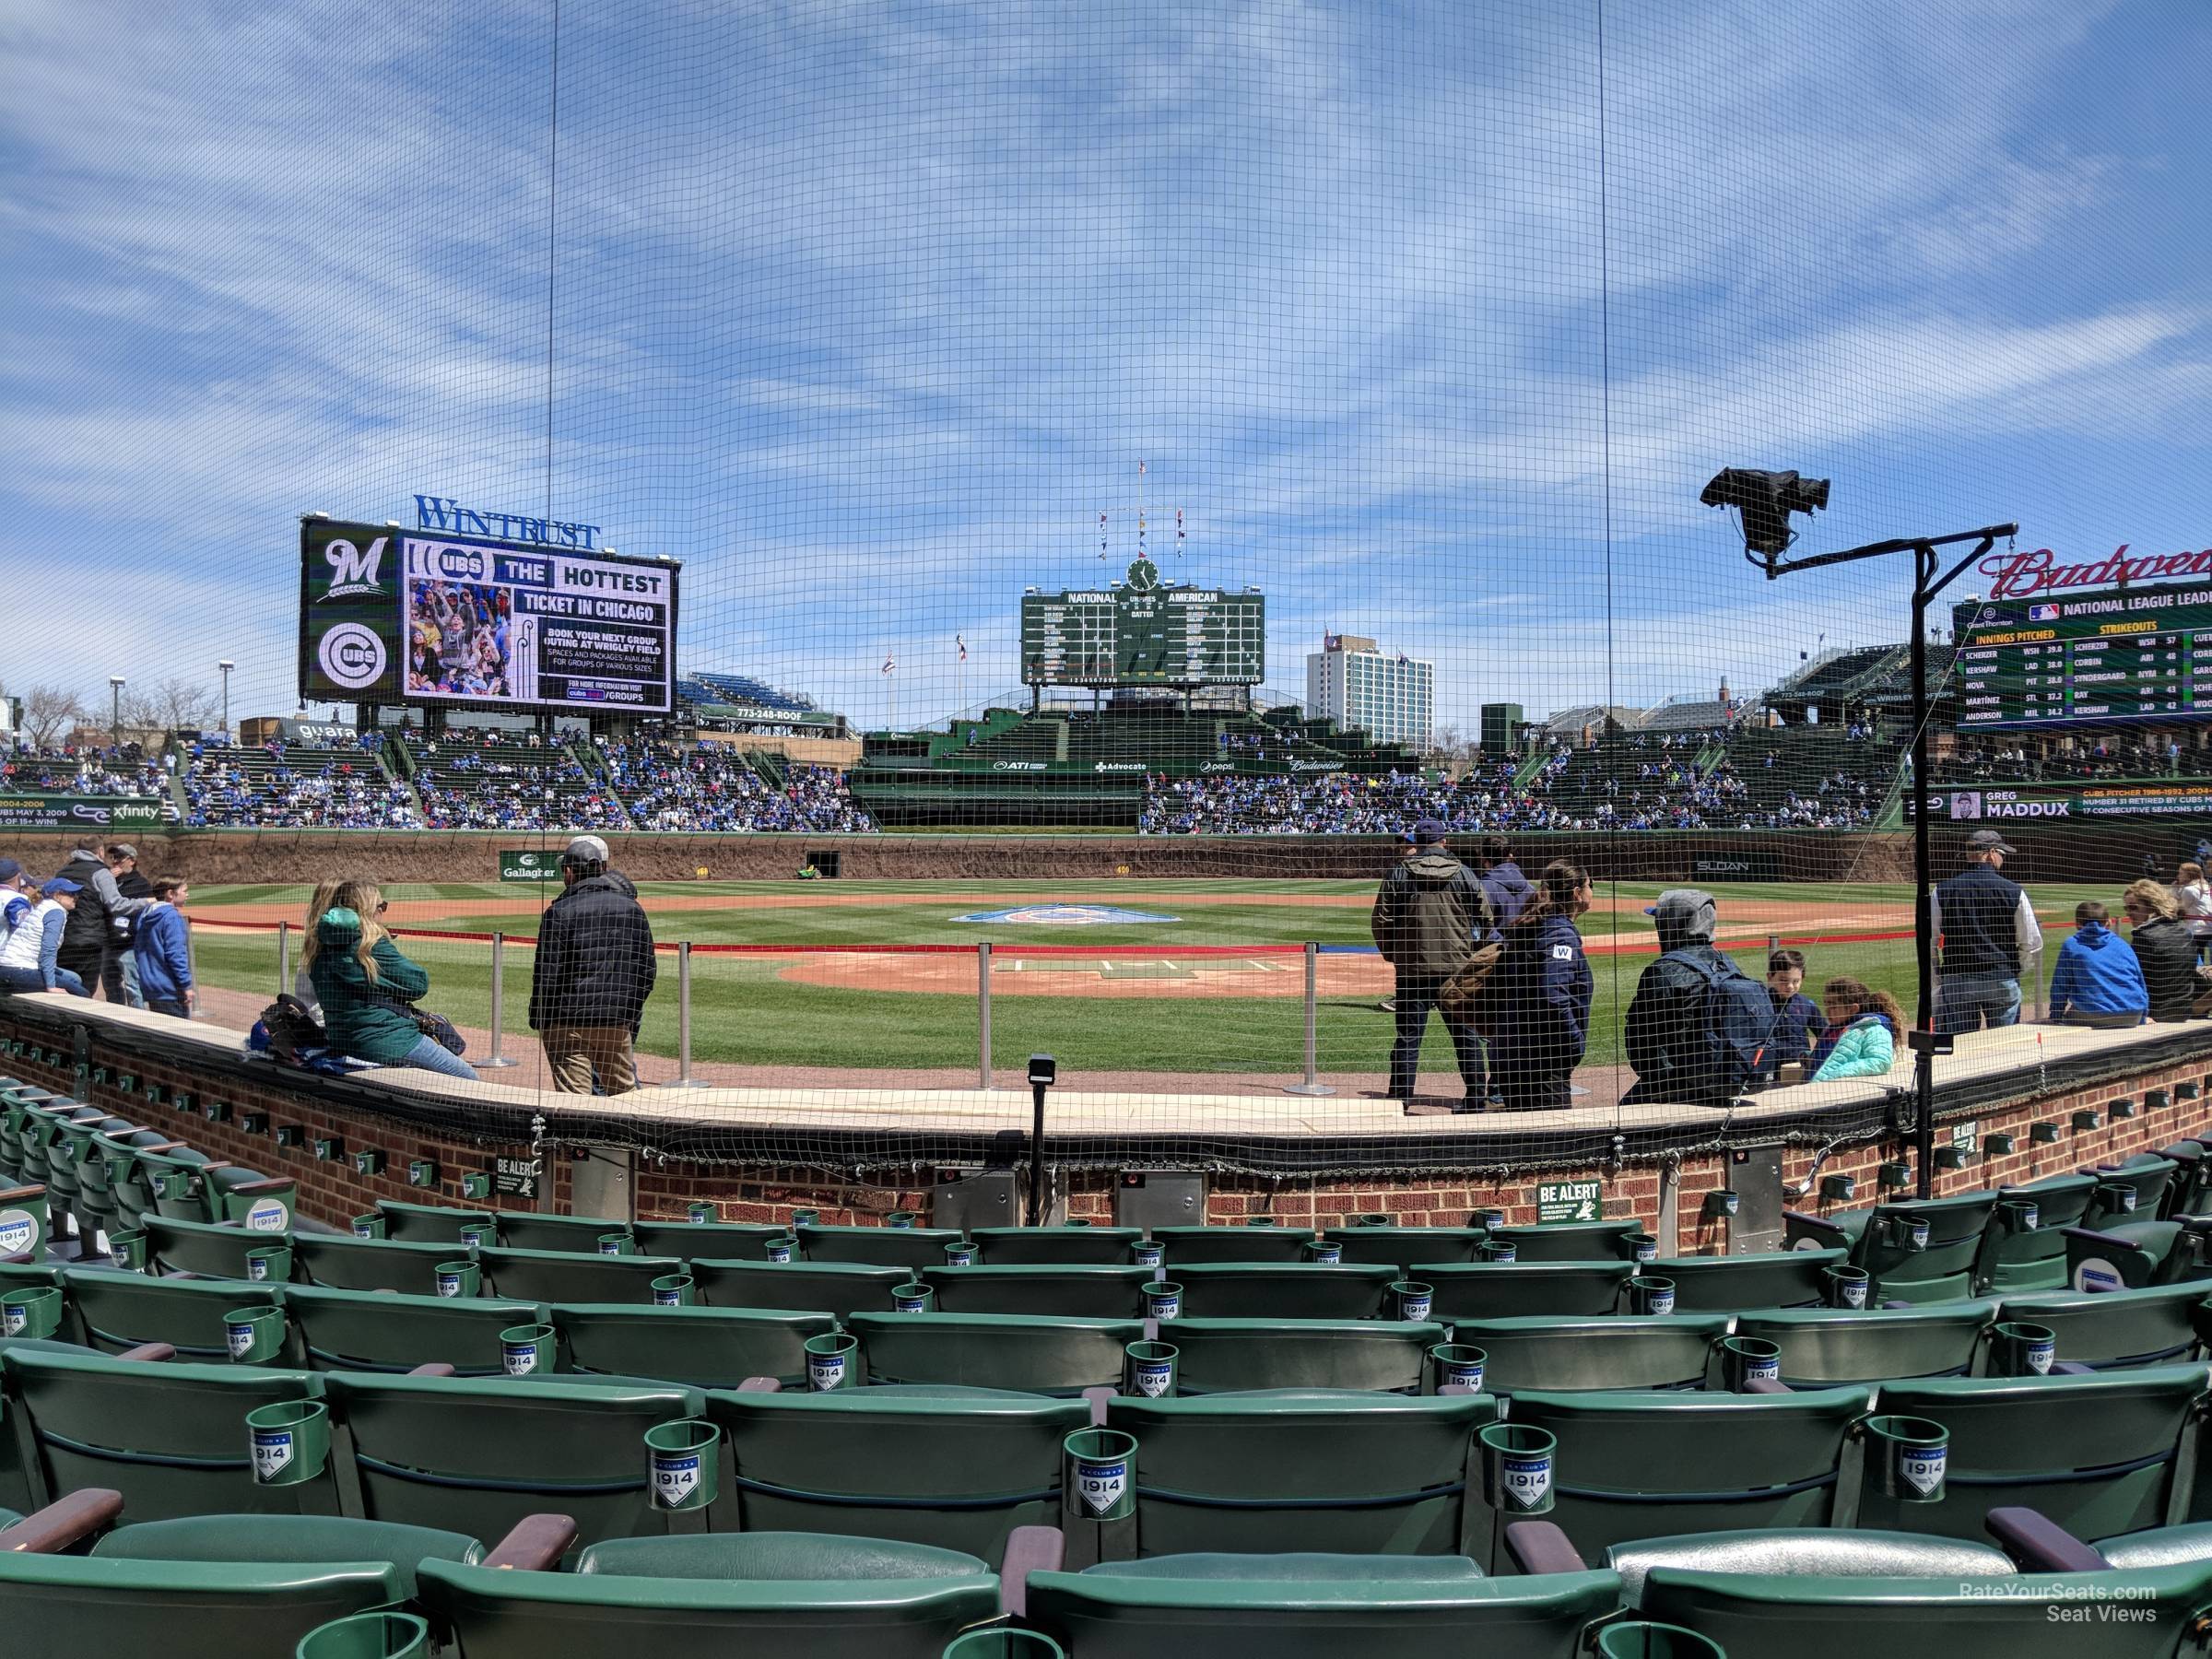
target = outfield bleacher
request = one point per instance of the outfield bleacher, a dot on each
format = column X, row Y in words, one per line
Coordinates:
column 496, row 780
column 271, row 786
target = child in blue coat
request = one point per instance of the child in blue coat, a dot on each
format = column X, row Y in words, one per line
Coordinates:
column 1865, row 1024
column 2098, row 980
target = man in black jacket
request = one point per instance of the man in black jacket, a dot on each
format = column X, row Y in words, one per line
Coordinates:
column 91, row 945
column 1697, row 1024
column 594, row 970
column 1429, row 914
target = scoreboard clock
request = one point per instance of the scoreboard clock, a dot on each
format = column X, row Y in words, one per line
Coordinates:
column 1143, row 632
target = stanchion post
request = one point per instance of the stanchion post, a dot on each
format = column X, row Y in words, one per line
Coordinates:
column 495, row 1060
column 683, row 1018
column 982, row 1016
column 284, row 958
column 1312, row 1084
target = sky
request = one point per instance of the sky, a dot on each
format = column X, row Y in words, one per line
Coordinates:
column 1433, row 319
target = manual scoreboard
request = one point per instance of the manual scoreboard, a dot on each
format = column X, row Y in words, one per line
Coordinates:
column 1146, row 632
column 2122, row 654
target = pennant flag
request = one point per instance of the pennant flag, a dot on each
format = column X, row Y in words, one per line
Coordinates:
column 1101, row 536
column 1140, row 469
column 1178, row 529
column 963, row 646
column 891, row 662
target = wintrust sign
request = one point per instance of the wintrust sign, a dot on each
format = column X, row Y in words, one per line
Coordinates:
column 2018, row 576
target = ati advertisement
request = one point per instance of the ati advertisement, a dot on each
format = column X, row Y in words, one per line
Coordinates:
column 2175, row 798
column 388, row 614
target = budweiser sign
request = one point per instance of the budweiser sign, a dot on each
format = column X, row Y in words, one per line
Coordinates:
column 2018, row 576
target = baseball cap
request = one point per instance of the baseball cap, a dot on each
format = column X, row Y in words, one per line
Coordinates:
column 1987, row 840
column 9, row 869
column 60, row 884
column 585, row 848
column 1427, row 832
column 123, row 850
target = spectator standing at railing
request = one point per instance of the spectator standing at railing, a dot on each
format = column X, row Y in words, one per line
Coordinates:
column 1427, row 913
column 1989, row 934
column 593, row 971
column 162, row 941
column 1537, row 1003
column 88, row 945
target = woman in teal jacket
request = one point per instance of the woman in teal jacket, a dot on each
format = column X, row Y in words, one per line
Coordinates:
column 1870, row 1021
column 360, row 975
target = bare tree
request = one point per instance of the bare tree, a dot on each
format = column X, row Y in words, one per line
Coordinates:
column 47, row 713
column 172, row 705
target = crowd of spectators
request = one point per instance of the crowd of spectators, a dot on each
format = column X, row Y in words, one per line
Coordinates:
column 2146, row 758
column 715, row 788
column 1343, row 804
column 498, row 780
column 272, row 787
column 124, row 770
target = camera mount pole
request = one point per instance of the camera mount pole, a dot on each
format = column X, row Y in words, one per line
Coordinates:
column 1929, row 580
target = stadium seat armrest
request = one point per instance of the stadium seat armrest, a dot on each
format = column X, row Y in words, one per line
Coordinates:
column 432, row 1368
column 1766, row 1385
column 1542, row 1546
column 268, row 1183
column 1816, row 1223
column 1892, row 1304
column 2071, row 1368
column 1458, row 1388
column 150, row 1353
column 1099, row 1399
column 760, row 1385
column 2039, row 1545
column 21, row 1194
column 2091, row 1237
column 21, row 1260
column 63, row 1523
column 1151, row 1330
column 534, row 1544
column 1028, row 1549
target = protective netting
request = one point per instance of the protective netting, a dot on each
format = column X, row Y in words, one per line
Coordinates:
column 1013, row 522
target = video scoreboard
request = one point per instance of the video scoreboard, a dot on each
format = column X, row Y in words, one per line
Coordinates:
column 1143, row 631
column 2122, row 654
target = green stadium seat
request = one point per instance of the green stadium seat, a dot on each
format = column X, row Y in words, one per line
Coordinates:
column 2116, row 1330
column 684, row 1240
column 1944, row 1616
column 1297, row 1469
column 430, row 1223
column 170, row 1437
column 1192, row 1246
column 2097, row 1454
column 59, row 1604
column 2181, row 1546
column 1063, row 1290
column 1219, row 1356
column 138, row 1198
column 1670, row 1350
column 1779, row 1279
column 26, row 1241
column 700, row 1348
column 1815, row 1551
column 1028, row 1354
column 1877, row 1240
column 1401, row 1247
column 1316, row 1607
column 2190, row 1191
column 1571, row 1241
column 1283, row 1290
column 100, row 1159
column 2139, row 1254
column 66, row 1151
column 1517, row 1290
column 1055, row 1246
column 342, row 1262
column 1631, row 1465
column 2132, row 1190
column 211, row 1192
column 957, row 1469
column 1826, row 1347
column 320, row 1539
column 802, row 1286
column 478, row 1454
column 200, row 1248
column 2022, row 1262
column 546, row 1275
column 382, row 1331
column 530, row 1230
column 827, row 1598
column 112, row 1311
column 910, row 1247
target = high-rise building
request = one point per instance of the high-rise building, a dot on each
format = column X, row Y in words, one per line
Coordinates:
column 1388, row 695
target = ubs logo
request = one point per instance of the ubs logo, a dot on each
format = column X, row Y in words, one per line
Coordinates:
column 351, row 655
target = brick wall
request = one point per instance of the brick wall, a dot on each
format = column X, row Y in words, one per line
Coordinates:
column 334, row 1192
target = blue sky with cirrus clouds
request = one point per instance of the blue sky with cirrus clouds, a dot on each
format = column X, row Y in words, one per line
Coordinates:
column 865, row 311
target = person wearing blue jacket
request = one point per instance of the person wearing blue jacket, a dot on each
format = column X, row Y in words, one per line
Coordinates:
column 162, row 941
column 1536, row 1001
column 30, row 955
column 2098, row 980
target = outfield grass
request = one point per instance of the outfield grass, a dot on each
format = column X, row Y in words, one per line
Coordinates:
column 743, row 1013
